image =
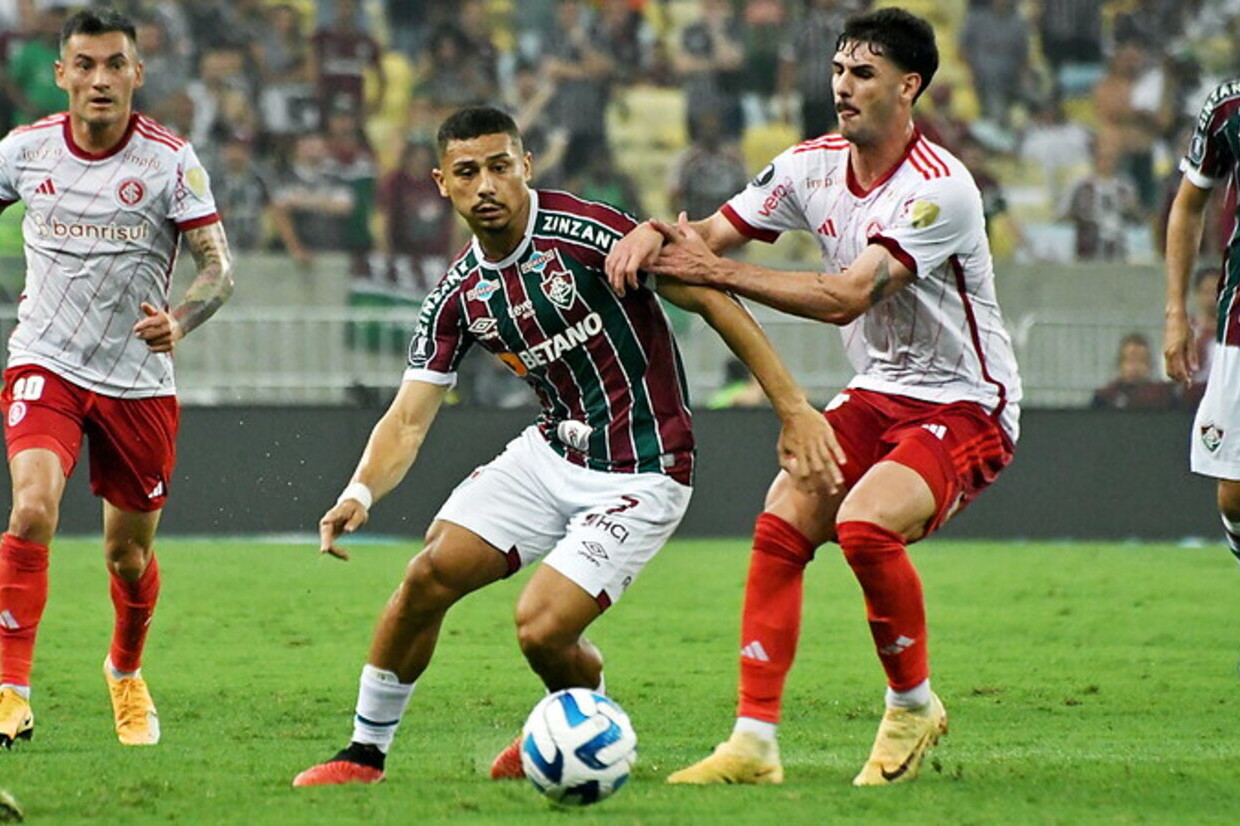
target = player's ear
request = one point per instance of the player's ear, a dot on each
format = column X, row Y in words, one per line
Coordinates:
column 437, row 174
column 58, row 69
column 912, row 85
column 139, row 74
column 527, row 161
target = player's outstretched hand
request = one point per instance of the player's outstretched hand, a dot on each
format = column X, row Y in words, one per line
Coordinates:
column 1179, row 351
column 630, row 255
column 158, row 329
column 810, row 453
column 344, row 517
column 684, row 255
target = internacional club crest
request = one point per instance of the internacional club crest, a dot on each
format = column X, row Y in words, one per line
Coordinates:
column 130, row 193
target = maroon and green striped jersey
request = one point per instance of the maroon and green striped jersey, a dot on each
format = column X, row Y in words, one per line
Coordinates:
column 547, row 312
column 1214, row 157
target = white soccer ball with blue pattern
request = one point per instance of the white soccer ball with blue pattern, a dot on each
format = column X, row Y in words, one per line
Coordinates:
column 578, row 747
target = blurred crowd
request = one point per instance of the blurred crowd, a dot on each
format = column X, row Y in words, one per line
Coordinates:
column 316, row 116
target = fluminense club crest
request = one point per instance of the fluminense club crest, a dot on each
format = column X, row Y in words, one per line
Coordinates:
column 557, row 285
column 1211, row 437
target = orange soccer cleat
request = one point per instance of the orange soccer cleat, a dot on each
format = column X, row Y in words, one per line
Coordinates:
column 358, row 763
column 507, row 764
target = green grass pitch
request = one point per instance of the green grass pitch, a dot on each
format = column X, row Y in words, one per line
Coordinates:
column 1086, row 683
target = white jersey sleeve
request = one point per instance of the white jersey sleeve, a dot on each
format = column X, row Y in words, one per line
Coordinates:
column 8, row 185
column 941, row 218
column 771, row 203
column 193, row 204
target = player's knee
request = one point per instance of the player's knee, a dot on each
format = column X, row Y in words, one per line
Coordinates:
column 874, row 512
column 542, row 639
column 34, row 519
column 126, row 558
column 429, row 583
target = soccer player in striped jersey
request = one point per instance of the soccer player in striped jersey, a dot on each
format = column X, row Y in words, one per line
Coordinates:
column 109, row 193
column 1212, row 159
column 929, row 419
column 595, row 487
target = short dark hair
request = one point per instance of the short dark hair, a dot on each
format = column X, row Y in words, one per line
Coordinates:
column 474, row 122
column 94, row 21
column 1134, row 340
column 903, row 38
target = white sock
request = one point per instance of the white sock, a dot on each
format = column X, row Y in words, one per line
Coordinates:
column 22, row 690
column 916, row 697
column 1232, row 530
column 381, row 701
column 759, row 728
column 602, row 685
column 121, row 675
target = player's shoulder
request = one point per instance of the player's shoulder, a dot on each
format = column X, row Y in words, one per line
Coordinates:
column 929, row 161
column 466, row 265
column 1224, row 92
column 557, row 200
column 1222, row 103
column 158, row 137
column 829, row 143
column 39, row 130
column 933, row 181
column 565, row 218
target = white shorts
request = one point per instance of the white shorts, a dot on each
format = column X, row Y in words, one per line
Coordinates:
column 1215, row 449
column 598, row 529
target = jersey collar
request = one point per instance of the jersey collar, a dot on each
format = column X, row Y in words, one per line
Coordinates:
column 514, row 256
column 856, row 188
column 107, row 153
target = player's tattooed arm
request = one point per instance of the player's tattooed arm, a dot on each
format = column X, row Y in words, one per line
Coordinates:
column 882, row 277
column 214, row 282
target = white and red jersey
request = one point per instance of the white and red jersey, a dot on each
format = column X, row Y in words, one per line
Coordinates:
column 101, row 233
column 942, row 338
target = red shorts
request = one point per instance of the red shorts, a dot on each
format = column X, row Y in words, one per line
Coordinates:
column 132, row 441
column 957, row 448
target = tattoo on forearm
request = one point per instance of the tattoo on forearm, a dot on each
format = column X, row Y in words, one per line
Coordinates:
column 882, row 277
column 214, row 282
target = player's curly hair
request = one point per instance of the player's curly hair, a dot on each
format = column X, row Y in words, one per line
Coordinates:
column 94, row 21
column 903, row 38
column 474, row 122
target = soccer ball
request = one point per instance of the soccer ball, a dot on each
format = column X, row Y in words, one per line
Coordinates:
column 578, row 747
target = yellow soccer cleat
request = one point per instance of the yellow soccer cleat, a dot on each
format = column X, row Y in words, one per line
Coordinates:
column 904, row 737
column 137, row 722
column 16, row 718
column 743, row 758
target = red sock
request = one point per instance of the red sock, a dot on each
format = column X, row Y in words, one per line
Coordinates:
column 771, row 619
column 893, row 600
column 135, row 605
column 23, row 593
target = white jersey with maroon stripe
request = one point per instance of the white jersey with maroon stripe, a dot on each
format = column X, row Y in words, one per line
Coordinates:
column 101, row 234
column 942, row 338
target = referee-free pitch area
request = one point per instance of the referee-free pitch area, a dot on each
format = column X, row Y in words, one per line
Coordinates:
column 1086, row 683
